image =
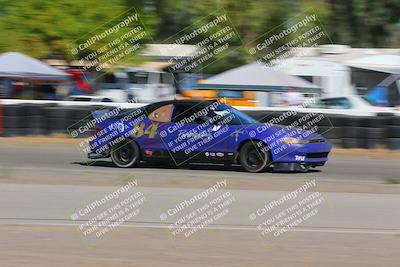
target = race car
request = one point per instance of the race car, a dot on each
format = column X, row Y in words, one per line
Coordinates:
column 190, row 131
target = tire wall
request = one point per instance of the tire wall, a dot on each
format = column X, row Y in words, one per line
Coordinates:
column 343, row 131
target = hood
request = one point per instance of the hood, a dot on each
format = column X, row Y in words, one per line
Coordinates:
column 265, row 130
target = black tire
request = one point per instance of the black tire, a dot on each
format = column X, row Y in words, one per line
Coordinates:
column 394, row 143
column 395, row 120
column 8, row 132
column 371, row 143
column 393, row 131
column 35, row 131
column 333, row 120
column 13, row 110
column 353, row 132
column 56, row 118
column 352, row 143
column 33, row 110
column 35, row 122
column 335, row 142
column 374, row 133
column 125, row 154
column 375, row 122
column 56, row 125
column 330, row 132
column 350, row 121
column 254, row 158
column 316, row 120
column 13, row 122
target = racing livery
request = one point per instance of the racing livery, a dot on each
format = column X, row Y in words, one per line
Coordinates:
column 183, row 131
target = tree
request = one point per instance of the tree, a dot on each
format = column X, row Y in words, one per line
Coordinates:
column 365, row 23
column 48, row 28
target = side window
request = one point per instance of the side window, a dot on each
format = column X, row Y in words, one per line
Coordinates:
column 83, row 99
column 180, row 112
column 345, row 103
column 333, row 103
column 162, row 114
column 230, row 94
column 154, row 77
column 222, row 116
column 327, row 103
column 109, row 78
column 141, row 77
column 132, row 77
column 166, row 78
column 342, row 103
column 186, row 114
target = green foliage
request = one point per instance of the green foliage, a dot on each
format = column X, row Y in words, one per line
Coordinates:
column 46, row 28
column 392, row 180
column 49, row 28
column 365, row 23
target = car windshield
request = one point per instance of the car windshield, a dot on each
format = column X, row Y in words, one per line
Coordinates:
column 225, row 111
column 370, row 101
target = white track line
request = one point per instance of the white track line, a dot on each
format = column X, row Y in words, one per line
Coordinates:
column 227, row 228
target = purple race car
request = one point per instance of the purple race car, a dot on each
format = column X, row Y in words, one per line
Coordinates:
column 183, row 131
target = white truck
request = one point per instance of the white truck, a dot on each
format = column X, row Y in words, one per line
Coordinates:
column 145, row 85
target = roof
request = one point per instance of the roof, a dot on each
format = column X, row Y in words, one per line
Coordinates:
column 182, row 101
column 17, row 65
column 341, row 53
column 153, row 106
column 256, row 77
column 377, row 59
column 381, row 63
column 142, row 69
column 170, row 50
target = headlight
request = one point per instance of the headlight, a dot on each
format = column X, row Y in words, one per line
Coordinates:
column 294, row 141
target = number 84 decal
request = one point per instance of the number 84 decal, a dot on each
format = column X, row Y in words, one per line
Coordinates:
column 140, row 129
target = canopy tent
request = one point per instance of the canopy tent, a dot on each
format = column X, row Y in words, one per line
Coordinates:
column 16, row 65
column 382, row 63
column 257, row 77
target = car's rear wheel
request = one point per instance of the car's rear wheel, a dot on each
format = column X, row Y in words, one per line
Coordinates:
column 254, row 157
column 125, row 154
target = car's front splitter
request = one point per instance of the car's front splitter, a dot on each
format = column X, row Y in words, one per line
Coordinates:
column 294, row 166
column 303, row 154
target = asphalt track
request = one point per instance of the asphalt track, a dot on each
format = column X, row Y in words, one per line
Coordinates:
column 42, row 187
column 67, row 160
column 350, row 229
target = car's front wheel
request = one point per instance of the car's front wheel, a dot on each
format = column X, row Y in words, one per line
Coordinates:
column 125, row 154
column 254, row 157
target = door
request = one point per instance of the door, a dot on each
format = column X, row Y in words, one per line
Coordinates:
column 193, row 136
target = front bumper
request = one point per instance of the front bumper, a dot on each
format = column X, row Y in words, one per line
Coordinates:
column 313, row 154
